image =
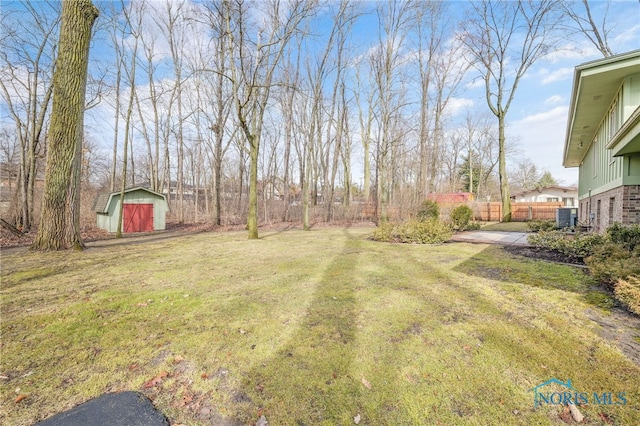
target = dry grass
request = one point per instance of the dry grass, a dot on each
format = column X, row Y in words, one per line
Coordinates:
column 303, row 327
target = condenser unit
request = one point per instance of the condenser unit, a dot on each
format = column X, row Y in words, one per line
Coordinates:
column 566, row 217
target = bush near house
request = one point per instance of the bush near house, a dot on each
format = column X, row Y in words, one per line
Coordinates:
column 576, row 245
column 538, row 225
column 626, row 236
column 613, row 259
column 611, row 262
column 628, row 292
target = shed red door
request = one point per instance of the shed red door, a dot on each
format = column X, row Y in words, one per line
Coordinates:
column 138, row 217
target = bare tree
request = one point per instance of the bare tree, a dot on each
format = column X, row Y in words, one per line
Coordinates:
column 394, row 21
column 131, row 80
column 173, row 20
column 70, row 80
column 28, row 62
column 504, row 39
column 252, row 73
column 584, row 23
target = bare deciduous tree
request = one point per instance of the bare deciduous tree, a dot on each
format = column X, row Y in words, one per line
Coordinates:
column 252, row 72
column 28, row 61
column 504, row 39
column 579, row 12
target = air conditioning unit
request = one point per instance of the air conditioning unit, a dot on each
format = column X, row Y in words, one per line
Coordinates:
column 566, row 217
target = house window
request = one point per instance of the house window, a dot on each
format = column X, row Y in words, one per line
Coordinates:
column 552, row 199
column 598, row 205
column 567, row 201
column 612, row 202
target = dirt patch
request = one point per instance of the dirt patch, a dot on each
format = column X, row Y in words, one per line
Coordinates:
column 622, row 328
column 543, row 254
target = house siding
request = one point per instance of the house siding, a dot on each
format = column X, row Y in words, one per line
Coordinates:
column 600, row 171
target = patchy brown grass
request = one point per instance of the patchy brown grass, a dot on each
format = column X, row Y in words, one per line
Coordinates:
column 305, row 328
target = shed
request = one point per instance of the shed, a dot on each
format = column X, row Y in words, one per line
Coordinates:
column 144, row 210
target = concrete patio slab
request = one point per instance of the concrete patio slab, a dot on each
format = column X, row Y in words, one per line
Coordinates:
column 492, row 237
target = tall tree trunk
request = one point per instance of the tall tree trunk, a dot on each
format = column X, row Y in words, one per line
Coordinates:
column 502, row 172
column 252, row 218
column 73, row 215
column 70, row 81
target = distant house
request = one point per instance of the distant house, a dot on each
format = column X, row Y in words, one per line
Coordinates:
column 567, row 195
column 603, row 139
column 144, row 210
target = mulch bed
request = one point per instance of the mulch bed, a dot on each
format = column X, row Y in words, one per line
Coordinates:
column 543, row 254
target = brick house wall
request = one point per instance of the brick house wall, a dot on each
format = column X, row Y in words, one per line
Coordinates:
column 631, row 204
column 621, row 204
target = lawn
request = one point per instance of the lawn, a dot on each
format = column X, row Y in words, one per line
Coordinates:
column 305, row 328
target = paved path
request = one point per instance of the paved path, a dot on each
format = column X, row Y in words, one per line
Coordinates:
column 492, row 237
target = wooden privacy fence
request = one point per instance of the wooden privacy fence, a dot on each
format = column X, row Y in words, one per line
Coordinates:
column 486, row 212
column 520, row 212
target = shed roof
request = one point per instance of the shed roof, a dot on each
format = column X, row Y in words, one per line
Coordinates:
column 102, row 201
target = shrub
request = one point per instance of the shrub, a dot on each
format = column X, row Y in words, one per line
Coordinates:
column 429, row 231
column 552, row 240
column 428, row 210
column 383, row 232
column 578, row 245
column 611, row 262
column 628, row 292
column 627, row 236
column 473, row 226
column 538, row 225
column 460, row 217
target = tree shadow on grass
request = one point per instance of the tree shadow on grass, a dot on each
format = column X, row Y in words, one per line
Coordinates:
column 307, row 376
column 496, row 264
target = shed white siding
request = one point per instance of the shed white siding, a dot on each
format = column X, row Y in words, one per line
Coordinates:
column 107, row 219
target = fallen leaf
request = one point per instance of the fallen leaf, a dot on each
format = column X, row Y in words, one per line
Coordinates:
column 356, row 419
column 141, row 304
column 186, row 399
column 204, row 376
column 156, row 380
column 466, row 348
column 605, row 418
column 565, row 415
column 366, row 383
column 20, row 398
column 178, row 359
